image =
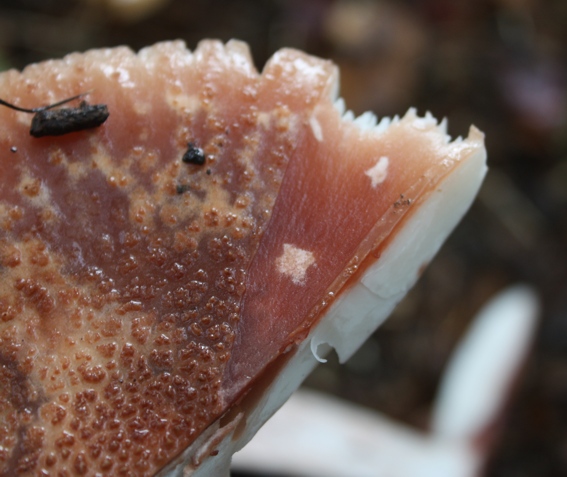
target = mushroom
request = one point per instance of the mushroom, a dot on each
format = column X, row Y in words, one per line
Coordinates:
column 155, row 311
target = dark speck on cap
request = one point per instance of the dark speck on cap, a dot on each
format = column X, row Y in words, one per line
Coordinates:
column 194, row 155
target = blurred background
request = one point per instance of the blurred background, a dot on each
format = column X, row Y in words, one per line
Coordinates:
column 498, row 64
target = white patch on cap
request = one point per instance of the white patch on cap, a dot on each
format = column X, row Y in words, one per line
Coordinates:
column 316, row 128
column 379, row 171
column 294, row 263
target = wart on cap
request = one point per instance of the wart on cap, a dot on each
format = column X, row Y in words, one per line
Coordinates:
column 294, row 263
column 379, row 171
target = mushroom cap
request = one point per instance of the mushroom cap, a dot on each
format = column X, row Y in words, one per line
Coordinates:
column 155, row 310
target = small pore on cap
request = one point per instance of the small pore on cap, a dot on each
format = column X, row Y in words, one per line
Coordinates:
column 294, row 263
column 379, row 171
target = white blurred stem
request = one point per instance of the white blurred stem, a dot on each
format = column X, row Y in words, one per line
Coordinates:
column 481, row 372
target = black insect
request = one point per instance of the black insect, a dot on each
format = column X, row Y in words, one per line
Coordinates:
column 56, row 122
column 194, row 155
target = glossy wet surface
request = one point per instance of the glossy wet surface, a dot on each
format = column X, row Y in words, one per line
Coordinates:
column 141, row 293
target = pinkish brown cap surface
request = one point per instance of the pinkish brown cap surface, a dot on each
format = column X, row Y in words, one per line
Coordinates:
column 141, row 296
